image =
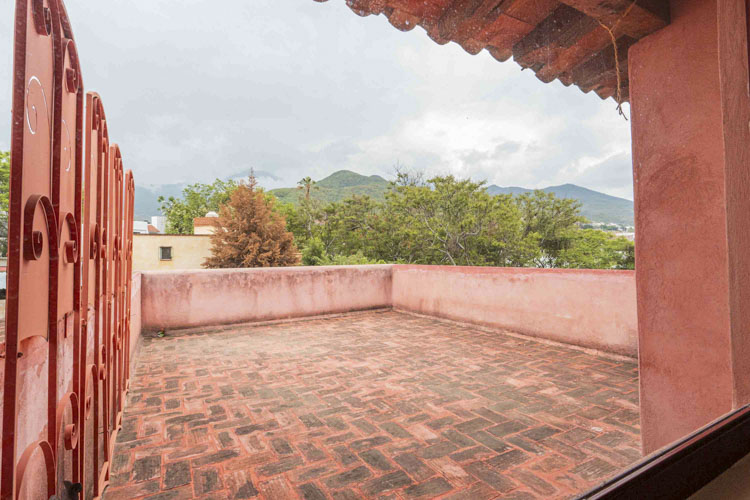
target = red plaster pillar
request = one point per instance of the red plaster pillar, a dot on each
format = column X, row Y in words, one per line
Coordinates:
column 691, row 164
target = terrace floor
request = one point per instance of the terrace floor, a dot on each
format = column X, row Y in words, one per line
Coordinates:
column 370, row 405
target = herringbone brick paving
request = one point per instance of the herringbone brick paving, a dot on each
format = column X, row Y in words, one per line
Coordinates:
column 374, row 405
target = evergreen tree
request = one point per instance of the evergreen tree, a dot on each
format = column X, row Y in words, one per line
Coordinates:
column 250, row 233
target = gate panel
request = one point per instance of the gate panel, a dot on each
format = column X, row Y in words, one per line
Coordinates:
column 67, row 307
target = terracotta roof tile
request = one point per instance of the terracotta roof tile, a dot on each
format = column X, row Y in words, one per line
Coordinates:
column 557, row 39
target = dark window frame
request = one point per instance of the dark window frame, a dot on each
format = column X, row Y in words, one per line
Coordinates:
column 161, row 253
column 684, row 467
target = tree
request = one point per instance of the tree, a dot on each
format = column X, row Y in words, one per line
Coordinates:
column 552, row 220
column 455, row 221
column 348, row 226
column 250, row 233
column 309, row 207
column 295, row 221
column 197, row 200
column 314, row 254
column 4, row 193
column 306, row 184
column 446, row 220
column 442, row 220
column 594, row 249
column 398, row 239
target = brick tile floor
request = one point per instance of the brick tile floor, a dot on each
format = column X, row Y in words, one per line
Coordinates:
column 373, row 405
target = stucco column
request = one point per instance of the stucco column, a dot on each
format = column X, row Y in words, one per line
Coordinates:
column 691, row 164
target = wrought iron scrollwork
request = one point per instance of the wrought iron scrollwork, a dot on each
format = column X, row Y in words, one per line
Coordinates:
column 69, row 267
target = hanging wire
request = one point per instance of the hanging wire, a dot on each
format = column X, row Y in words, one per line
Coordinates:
column 611, row 32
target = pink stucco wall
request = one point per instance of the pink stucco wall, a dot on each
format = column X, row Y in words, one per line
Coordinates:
column 135, row 319
column 588, row 308
column 176, row 299
column 691, row 151
column 594, row 309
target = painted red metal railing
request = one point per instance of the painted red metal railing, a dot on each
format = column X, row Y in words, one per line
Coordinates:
column 69, row 268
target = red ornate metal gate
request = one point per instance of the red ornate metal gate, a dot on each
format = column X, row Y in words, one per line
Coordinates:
column 69, row 268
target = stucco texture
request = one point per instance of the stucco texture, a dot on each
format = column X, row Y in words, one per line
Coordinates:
column 188, row 251
column 690, row 113
column 592, row 309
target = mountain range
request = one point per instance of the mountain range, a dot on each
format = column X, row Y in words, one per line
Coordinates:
column 595, row 206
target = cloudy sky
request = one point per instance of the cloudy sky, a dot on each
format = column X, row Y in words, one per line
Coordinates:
column 200, row 89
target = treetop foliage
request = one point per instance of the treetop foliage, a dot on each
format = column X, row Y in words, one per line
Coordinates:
column 197, row 200
column 450, row 221
column 250, row 233
column 438, row 220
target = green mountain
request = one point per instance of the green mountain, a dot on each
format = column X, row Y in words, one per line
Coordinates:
column 338, row 186
column 595, row 206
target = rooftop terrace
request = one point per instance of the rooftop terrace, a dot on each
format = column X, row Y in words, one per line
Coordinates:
column 369, row 404
column 386, row 402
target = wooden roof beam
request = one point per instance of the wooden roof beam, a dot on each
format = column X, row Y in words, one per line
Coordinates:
column 518, row 20
column 645, row 16
column 600, row 71
column 602, row 63
column 561, row 29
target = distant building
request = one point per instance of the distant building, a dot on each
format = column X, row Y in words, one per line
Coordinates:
column 163, row 252
column 628, row 235
column 159, row 222
column 143, row 227
column 205, row 225
column 154, row 251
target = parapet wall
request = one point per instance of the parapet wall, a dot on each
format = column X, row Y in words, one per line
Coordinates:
column 588, row 308
column 135, row 318
column 179, row 299
column 584, row 307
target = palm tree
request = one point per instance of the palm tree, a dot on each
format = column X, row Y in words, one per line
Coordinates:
column 306, row 184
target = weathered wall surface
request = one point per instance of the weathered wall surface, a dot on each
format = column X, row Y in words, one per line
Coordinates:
column 691, row 149
column 593, row 309
column 588, row 308
column 135, row 318
column 224, row 296
column 188, row 251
